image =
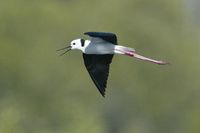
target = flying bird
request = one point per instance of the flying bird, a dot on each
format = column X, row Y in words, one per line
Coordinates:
column 98, row 53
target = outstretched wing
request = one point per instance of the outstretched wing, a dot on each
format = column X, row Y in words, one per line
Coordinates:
column 109, row 37
column 98, row 68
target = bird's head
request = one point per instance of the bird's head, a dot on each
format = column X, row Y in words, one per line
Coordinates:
column 75, row 44
column 78, row 44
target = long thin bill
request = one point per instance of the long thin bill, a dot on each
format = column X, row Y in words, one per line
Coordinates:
column 65, row 52
column 68, row 49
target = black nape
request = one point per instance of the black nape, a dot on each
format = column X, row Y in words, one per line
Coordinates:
column 82, row 42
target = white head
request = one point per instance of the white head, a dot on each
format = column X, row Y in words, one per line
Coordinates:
column 78, row 44
column 75, row 44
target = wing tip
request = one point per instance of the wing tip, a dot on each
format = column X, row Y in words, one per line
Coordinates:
column 103, row 94
column 101, row 90
column 89, row 32
column 85, row 33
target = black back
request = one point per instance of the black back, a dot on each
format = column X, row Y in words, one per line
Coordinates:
column 110, row 37
column 98, row 68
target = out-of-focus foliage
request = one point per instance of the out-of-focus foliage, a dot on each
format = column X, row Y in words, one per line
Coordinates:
column 41, row 92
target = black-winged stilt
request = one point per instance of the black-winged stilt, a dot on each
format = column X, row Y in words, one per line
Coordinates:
column 98, row 53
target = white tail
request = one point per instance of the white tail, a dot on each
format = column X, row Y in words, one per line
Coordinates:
column 122, row 48
column 132, row 53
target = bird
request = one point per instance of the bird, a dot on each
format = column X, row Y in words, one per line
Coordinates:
column 98, row 53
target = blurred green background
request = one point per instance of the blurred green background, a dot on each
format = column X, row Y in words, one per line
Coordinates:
column 41, row 92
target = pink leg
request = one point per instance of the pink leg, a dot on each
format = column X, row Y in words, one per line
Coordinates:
column 133, row 54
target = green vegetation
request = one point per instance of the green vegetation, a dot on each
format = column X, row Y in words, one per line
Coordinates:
column 41, row 92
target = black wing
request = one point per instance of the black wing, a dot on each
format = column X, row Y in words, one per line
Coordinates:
column 98, row 68
column 110, row 37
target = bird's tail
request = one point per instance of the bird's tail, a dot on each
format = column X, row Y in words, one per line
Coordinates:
column 132, row 53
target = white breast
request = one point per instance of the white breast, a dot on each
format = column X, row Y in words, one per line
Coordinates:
column 100, row 48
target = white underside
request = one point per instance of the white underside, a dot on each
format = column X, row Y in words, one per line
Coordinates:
column 98, row 46
column 102, row 47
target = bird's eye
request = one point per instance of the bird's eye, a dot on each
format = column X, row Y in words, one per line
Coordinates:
column 74, row 43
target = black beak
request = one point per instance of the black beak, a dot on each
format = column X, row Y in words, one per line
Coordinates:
column 68, row 48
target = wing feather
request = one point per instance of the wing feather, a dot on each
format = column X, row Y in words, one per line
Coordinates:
column 107, row 36
column 98, row 69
